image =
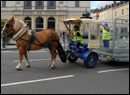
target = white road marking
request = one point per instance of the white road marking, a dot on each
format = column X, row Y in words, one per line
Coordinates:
column 113, row 70
column 31, row 81
column 36, row 59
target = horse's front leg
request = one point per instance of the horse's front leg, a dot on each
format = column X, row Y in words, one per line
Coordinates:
column 27, row 61
column 21, row 53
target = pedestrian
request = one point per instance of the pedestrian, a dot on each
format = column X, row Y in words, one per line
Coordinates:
column 64, row 34
column 100, row 35
column 106, row 36
column 60, row 34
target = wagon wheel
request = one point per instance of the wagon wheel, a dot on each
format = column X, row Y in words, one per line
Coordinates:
column 72, row 58
column 91, row 61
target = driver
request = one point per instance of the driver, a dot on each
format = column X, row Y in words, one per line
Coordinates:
column 79, row 37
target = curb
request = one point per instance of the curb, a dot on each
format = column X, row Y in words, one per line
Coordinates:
column 2, row 49
column 13, row 48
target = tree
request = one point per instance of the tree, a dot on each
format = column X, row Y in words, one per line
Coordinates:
column 2, row 24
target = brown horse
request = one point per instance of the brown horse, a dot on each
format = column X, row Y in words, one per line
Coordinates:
column 14, row 25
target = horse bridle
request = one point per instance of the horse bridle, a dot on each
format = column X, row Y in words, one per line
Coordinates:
column 5, row 32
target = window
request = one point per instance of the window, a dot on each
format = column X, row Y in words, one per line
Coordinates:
column 107, row 14
column 93, row 30
column 76, row 3
column 28, row 21
column 51, row 23
column 39, row 24
column 51, row 4
column 110, row 14
column 61, row 2
column 28, row 4
column 122, row 11
column 39, row 4
column 115, row 13
column 3, row 3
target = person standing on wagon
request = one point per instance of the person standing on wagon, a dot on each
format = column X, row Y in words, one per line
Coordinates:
column 76, row 33
column 106, row 36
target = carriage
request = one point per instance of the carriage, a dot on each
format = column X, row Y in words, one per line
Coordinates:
column 90, row 30
column 91, row 49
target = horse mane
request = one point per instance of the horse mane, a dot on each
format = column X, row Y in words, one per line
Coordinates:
column 18, row 24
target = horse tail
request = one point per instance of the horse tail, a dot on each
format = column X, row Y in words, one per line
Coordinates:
column 59, row 48
column 61, row 53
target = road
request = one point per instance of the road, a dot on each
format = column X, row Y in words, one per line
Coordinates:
column 67, row 78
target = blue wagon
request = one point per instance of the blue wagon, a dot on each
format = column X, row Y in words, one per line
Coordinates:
column 90, row 30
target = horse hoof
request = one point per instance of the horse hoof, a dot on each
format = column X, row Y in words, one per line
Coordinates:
column 27, row 66
column 52, row 67
column 18, row 69
column 49, row 65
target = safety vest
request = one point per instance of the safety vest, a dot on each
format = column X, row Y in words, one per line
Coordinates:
column 79, row 38
column 106, row 35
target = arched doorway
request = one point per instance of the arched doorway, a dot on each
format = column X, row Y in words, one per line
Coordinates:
column 51, row 23
column 28, row 21
column 39, row 24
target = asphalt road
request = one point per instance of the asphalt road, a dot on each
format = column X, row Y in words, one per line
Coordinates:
column 79, row 80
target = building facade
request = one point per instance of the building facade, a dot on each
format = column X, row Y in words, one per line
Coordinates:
column 42, row 15
column 116, row 10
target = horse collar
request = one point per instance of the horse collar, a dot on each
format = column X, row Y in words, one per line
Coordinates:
column 20, row 33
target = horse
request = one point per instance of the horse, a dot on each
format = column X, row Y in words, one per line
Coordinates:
column 44, row 36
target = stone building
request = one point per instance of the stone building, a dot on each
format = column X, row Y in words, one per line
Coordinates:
column 118, row 10
column 115, row 10
column 43, row 14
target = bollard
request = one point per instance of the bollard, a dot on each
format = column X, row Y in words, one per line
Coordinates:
column 3, row 42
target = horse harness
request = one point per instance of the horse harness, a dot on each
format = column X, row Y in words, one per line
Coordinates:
column 33, row 37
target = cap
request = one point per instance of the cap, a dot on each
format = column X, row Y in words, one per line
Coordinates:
column 106, row 24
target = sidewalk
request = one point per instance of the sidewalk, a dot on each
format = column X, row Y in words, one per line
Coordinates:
column 13, row 47
column 9, row 47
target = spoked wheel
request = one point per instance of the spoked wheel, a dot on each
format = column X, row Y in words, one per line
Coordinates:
column 91, row 61
column 72, row 58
